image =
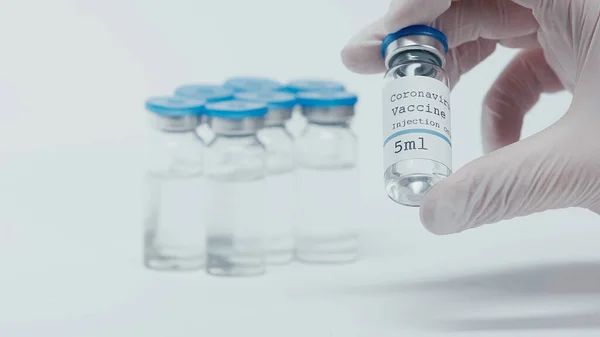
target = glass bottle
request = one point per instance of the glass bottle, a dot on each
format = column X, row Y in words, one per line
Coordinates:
column 328, row 184
column 209, row 93
column 235, row 166
column 298, row 122
column 309, row 85
column 252, row 84
column 280, row 184
column 417, row 141
column 174, row 214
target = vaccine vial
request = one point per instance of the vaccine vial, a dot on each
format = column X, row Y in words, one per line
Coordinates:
column 280, row 183
column 417, row 142
column 210, row 94
column 235, row 167
column 252, row 84
column 175, row 197
column 328, row 186
column 306, row 85
column 206, row 92
column 298, row 122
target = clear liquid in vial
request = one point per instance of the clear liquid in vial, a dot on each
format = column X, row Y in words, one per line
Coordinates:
column 280, row 197
column 235, row 240
column 175, row 222
column 408, row 181
column 327, row 230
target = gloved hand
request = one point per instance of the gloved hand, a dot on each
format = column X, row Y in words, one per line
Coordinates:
column 556, row 168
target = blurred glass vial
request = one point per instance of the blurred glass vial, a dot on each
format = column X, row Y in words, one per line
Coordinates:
column 173, row 219
column 252, row 84
column 307, row 85
column 329, row 182
column 235, row 167
column 206, row 92
column 280, row 184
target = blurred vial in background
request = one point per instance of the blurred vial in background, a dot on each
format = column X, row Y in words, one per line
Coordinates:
column 252, row 84
column 305, row 85
column 235, row 166
column 328, row 179
column 298, row 122
column 280, row 184
column 417, row 140
column 210, row 94
column 206, row 92
column 174, row 217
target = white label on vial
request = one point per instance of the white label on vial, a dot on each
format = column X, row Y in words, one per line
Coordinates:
column 416, row 121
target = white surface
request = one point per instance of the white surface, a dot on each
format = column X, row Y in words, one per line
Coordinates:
column 73, row 76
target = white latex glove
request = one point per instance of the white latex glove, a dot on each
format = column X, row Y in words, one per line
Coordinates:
column 556, row 168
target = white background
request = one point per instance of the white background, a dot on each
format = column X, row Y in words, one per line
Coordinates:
column 73, row 78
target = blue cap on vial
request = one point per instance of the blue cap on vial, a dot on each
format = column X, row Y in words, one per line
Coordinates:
column 273, row 99
column 416, row 30
column 313, row 85
column 236, row 109
column 169, row 106
column 326, row 99
column 209, row 93
column 252, row 84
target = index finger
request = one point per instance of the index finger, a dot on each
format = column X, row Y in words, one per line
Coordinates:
column 464, row 20
column 404, row 13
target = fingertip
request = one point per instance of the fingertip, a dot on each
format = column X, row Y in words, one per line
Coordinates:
column 411, row 12
column 391, row 23
column 347, row 56
column 362, row 54
column 363, row 58
column 437, row 212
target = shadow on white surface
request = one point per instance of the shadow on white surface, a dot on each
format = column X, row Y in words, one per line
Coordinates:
column 576, row 278
column 575, row 321
column 543, row 297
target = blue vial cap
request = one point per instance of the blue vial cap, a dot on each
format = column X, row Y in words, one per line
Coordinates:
column 253, row 84
column 236, row 109
column 314, row 85
column 273, row 99
column 209, row 93
column 412, row 31
column 286, row 90
column 326, row 99
column 175, row 106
